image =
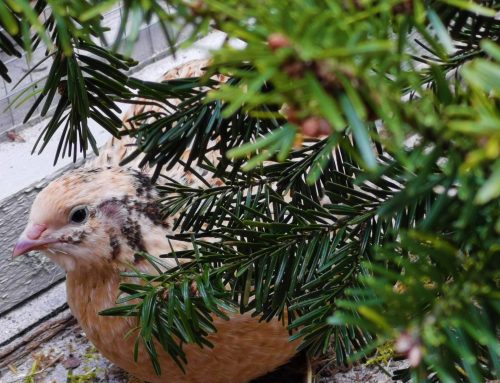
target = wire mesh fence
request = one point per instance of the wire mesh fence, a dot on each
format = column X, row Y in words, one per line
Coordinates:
column 17, row 97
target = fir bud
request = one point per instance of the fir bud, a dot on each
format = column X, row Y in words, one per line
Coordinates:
column 403, row 8
column 315, row 126
column 198, row 7
column 294, row 68
column 277, row 41
column 61, row 88
column 292, row 115
column 327, row 77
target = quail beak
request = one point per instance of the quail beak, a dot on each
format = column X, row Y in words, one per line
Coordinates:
column 31, row 239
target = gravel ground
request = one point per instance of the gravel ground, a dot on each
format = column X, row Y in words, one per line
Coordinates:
column 70, row 358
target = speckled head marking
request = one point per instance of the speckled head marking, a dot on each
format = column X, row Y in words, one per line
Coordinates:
column 132, row 232
column 92, row 217
column 114, row 243
column 143, row 185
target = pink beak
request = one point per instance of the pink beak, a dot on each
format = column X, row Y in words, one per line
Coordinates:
column 31, row 240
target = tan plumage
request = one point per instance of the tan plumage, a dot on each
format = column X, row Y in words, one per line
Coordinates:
column 121, row 220
column 91, row 222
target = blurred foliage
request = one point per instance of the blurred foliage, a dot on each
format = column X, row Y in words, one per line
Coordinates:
column 357, row 143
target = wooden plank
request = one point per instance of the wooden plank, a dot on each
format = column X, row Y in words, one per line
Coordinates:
column 30, row 341
column 23, row 318
column 25, row 276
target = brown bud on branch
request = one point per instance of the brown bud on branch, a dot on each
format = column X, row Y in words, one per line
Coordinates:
column 277, row 41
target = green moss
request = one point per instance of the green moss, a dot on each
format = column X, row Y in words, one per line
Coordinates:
column 30, row 378
column 87, row 377
column 383, row 355
column 91, row 354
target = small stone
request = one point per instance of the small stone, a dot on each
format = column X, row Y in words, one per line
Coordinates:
column 409, row 345
column 71, row 363
column 415, row 356
column 15, row 137
column 404, row 343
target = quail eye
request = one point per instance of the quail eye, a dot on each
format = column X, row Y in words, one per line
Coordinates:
column 79, row 214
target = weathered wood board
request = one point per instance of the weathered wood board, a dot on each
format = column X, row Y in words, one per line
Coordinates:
column 25, row 276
